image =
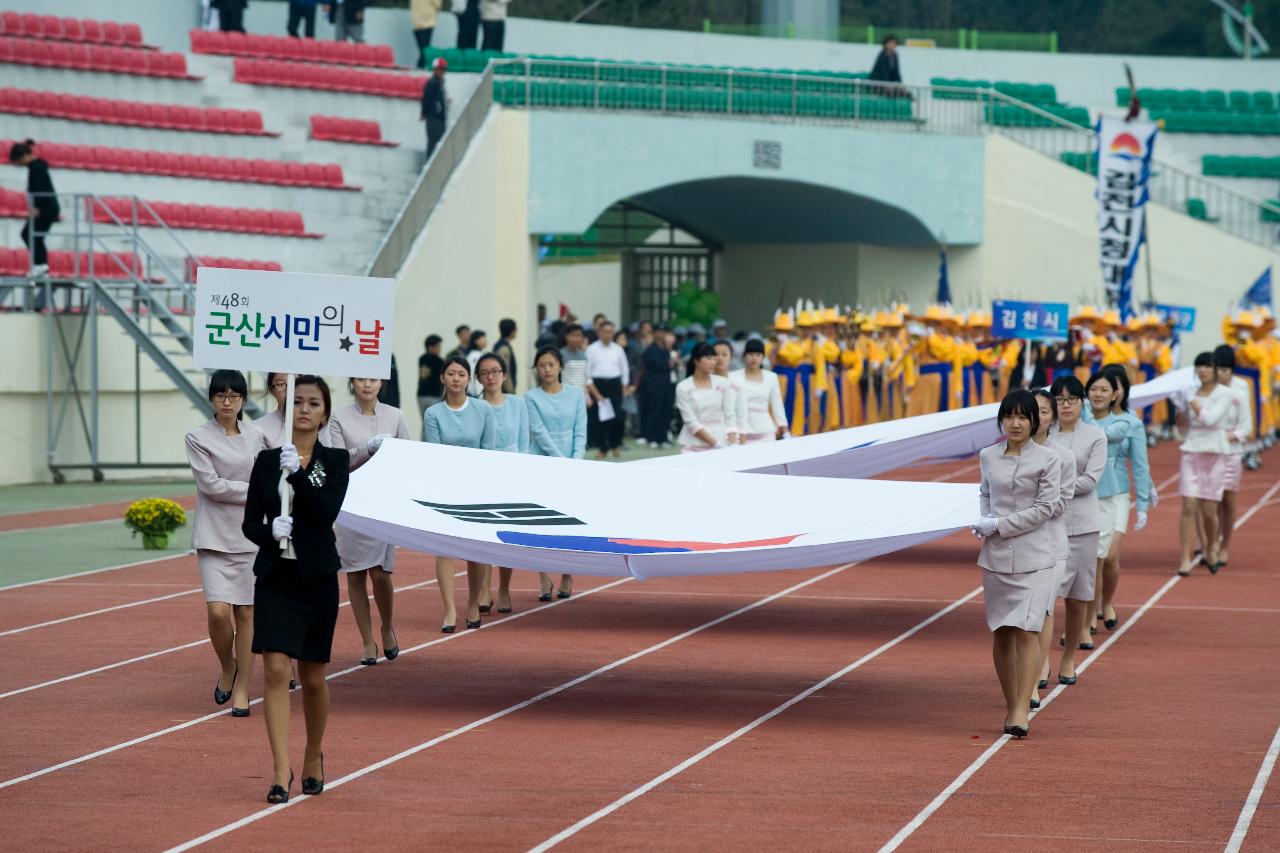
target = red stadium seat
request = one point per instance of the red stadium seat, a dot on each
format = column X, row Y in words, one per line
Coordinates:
column 309, row 50
column 201, row 41
column 111, row 33
column 72, row 30
column 315, row 176
column 92, row 31
column 132, row 35
column 51, row 27
column 252, row 121
column 31, row 26
column 10, row 23
column 333, row 175
column 295, row 175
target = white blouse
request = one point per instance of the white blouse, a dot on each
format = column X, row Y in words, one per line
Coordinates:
column 1207, row 431
column 759, row 404
column 709, row 409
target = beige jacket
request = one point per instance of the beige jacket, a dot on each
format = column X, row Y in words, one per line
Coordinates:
column 423, row 13
column 1024, row 494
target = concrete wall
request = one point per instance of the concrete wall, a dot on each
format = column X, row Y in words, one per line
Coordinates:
column 587, row 288
column 474, row 261
column 587, row 161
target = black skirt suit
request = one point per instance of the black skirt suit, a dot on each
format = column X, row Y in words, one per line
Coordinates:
column 296, row 600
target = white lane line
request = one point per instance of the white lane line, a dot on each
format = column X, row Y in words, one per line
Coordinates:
column 959, row 472
column 99, row 612
column 497, row 715
column 98, row 571
column 151, row 655
column 1255, row 796
column 956, row 784
column 44, row 527
column 748, row 728
column 72, row 762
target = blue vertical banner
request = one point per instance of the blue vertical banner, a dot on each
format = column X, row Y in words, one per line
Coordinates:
column 1124, row 171
column 1034, row 321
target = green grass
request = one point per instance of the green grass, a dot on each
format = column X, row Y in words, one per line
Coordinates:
column 49, row 496
column 27, row 555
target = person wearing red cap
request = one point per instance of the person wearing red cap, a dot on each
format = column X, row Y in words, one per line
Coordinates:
column 435, row 108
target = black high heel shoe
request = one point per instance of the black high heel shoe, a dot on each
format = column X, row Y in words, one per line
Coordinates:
column 240, row 712
column 1019, row 731
column 1044, row 682
column 448, row 629
column 1111, row 623
column 279, row 794
column 544, row 596
column 564, row 594
column 373, row 660
column 1035, row 703
column 473, row 625
column 311, row 786
column 221, row 697
column 1066, row 679
column 293, row 684
column 485, row 608
column 393, row 652
column 506, row 609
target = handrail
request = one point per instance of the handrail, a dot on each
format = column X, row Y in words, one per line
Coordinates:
column 416, row 210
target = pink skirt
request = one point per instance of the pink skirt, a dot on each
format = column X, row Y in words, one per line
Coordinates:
column 1202, row 475
column 759, row 437
column 1231, row 472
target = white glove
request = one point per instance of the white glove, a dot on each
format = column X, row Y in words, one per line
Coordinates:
column 376, row 442
column 282, row 527
column 289, row 460
column 1142, row 520
column 986, row 526
column 720, row 444
column 1155, row 498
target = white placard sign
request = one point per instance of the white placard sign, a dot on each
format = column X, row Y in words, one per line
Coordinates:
column 334, row 325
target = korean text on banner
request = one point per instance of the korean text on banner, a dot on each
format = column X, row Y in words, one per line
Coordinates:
column 1124, row 168
column 1183, row 317
column 1035, row 321
column 333, row 325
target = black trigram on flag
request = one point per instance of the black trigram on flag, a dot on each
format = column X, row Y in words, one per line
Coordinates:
column 522, row 514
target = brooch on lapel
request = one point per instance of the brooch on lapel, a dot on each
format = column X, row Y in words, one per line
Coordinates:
column 317, row 476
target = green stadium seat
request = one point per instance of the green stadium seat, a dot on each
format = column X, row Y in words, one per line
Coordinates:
column 1197, row 209
column 1272, row 215
column 1215, row 99
column 1238, row 100
column 1122, row 96
column 1263, row 102
column 1190, row 99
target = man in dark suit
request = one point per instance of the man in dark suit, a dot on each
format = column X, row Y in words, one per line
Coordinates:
column 886, row 69
column 347, row 17
column 231, row 15
column 435, row 108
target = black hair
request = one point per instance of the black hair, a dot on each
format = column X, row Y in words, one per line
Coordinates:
column 1020, row 401
column 318, row 381
column 18, row 150
column 432, row 340
column 463, row 328
column 1102, row 376
column 889, row 38
column 473, row 343
column 722, row 343
column 569, row 329
column 1053, row 401
column 488, row 357
column 701, row 349
column 1122, row 376
column 351, row 385
column 1070, row 384
column 271, row 378
column 229, row 380
column 458, row 360
column 554, row 352
column 506, row 327
column 1204, row 359
column 1224, row 356
column 598, row 317
column 607, row 322
column 754, row 345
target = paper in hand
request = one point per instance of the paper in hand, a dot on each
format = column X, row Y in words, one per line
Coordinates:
column 604, row 410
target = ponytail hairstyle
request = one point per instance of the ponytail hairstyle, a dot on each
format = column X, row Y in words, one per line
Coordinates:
column 21, row 149
column 1122, row 376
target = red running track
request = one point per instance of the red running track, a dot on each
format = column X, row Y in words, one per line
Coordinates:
column 1158, row 744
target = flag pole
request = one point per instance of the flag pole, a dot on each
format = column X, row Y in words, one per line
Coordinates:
column 286, row 437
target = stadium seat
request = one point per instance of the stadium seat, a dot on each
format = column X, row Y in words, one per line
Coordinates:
column 327, row 78
column 1197, row 209
column 101, row 58
column 291, row 50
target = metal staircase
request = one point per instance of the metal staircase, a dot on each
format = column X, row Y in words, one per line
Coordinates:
column 140, row 281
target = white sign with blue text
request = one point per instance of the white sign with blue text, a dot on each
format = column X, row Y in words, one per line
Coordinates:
column 1036, row 321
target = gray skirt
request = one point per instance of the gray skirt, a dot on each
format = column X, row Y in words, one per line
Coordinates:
column 226, row 577
column 1082, row 567
column 1017, row 599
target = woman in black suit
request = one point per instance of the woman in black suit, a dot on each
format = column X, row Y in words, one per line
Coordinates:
column 296, row 592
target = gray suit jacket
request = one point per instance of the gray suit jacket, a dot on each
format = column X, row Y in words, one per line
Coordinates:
column 1088, row 444
column 1024, row 493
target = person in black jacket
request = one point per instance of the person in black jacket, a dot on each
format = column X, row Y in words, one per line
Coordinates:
column 435, row 109
column 231, row 15
column 657, row 392
column 43, row 201
column 886, row 68
column 296, row 592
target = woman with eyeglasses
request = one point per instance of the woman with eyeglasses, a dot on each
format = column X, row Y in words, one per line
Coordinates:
column 361, row 428
column 1203, row 471
column 1020, row 495
column 511, row 433
column 221, row 453
column 1048, row 419
column 461, row 421
column 1088, row 445
column 557, row 427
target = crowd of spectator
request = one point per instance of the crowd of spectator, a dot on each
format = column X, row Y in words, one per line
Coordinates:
column 628, row 375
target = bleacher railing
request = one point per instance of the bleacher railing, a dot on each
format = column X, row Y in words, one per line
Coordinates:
column 961, row 38
column 433, row 178
column 1063, row 133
